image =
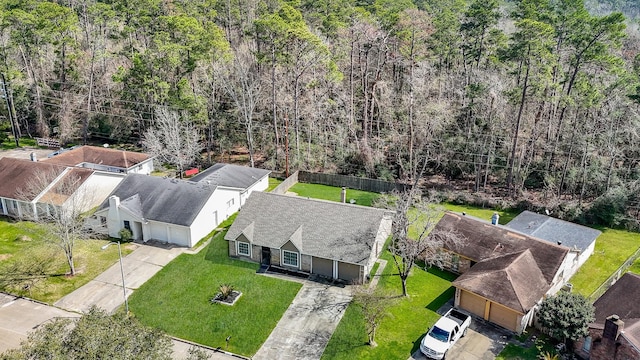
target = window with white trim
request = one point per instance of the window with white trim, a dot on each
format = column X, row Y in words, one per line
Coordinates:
column 230, row 203
column 243, row 248
column 289, row 258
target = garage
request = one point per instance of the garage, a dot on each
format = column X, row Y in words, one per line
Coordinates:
column 497, row 314
column 348, row 272
column 503, row 316
column 322, row 267
column 472, row 303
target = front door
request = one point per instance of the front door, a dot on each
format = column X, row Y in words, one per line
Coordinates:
column 266, row 256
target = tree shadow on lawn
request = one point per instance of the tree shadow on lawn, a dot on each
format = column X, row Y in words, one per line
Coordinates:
column 416, row 344
column 442, row 299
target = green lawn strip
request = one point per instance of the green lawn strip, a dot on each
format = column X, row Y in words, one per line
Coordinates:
column 401, row 331
column 10, row 143
column 176, row 300
column 635, row 267
column 23, row 242
column 332, row 193
column 273, row 183
column 613, row 248
column 483, row 213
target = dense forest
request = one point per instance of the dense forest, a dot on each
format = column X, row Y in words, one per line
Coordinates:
column 524, row 96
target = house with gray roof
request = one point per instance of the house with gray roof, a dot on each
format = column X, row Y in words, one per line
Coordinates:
column 168, row 210
column 581, row 240
column 334, row 240
column 242, row 179
column 504, row 273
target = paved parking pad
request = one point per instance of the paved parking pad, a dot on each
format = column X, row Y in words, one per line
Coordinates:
column 306, row 327
column 484, row 341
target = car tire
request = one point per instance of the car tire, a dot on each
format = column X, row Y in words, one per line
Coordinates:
column 464, row 333
column 444, row 356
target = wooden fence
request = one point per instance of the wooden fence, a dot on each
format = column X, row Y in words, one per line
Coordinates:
column 286, row 184
column 351, row 182
column 47, row 142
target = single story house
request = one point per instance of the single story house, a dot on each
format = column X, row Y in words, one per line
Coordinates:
column 168, row 210
column 103, row 159
column 34, row 190
column 615, row 334
column 242, row 179
column 581, row 240
column 504, row 273
column 335, row 240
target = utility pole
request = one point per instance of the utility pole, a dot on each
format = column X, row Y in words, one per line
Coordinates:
column 14, row 123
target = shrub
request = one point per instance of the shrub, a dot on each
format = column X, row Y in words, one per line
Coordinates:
column 125, row 235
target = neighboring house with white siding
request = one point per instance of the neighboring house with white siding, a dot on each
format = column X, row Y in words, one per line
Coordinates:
column 334, row 240
column 33, row 190
column 167, row 210
column 103, row 159
column 242, row 179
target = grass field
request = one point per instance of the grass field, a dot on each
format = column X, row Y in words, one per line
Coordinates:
column 23, row 248
column 483, row 213
column 407, row 320
column 273, row 183
column 332, row 193
column 9, row 143
column 176, row 300
column 613, row 248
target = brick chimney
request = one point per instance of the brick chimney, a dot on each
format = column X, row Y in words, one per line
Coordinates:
column 613, row 327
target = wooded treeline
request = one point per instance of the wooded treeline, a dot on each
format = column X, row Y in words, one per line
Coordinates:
column 529, row 95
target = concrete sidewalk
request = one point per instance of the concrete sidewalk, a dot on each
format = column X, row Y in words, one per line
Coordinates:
column 105, row 290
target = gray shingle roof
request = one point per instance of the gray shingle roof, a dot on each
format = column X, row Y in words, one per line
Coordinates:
column 324, row 229
column 229, row 175
column 554, row 230
column 166, row 200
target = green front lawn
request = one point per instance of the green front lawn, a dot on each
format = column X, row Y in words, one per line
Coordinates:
column 23, row 248
column 176, row 300
column 332, row 193
column 401, row 331
column 613, row 248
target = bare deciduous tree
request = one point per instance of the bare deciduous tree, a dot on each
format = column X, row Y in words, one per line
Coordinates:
column 173, row 139
column 374, row 308
column 64, row 199
column 242, row 84
column 412, row 235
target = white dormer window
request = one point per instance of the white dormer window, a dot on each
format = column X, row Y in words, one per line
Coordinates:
column 243, row 248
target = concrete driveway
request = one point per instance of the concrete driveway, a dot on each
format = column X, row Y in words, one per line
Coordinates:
column 105, row 290
column 19, row 316
column 483, row 341
column 306, row 327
